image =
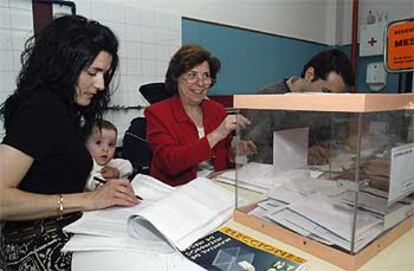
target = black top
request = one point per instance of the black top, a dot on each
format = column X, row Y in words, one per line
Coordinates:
column 44, row 128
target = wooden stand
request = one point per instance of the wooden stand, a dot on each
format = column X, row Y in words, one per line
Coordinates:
column 335, row 256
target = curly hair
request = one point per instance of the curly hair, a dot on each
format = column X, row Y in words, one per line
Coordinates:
column 53, row 60
column 186, row 58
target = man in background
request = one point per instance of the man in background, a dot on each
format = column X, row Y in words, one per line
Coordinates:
column 329, row 71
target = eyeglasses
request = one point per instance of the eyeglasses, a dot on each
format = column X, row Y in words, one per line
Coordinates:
column 192, row 77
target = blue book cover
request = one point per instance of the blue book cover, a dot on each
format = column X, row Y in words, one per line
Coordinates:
column 230, row 250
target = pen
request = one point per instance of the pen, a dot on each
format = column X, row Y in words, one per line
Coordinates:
column 102, row 181
column 99, row 180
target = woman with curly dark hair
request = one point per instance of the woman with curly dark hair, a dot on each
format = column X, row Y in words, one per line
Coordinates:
column 188, row 132
column 62, row 90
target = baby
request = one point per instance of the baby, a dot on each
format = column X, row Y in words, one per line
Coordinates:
column 101, row 145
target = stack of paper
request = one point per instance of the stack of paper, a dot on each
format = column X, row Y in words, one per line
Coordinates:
column 331, row 214
column 187, row 214
column 167, row 217
column 107, row 229
column 321, row 210
column 261, row 177
column 253, row 176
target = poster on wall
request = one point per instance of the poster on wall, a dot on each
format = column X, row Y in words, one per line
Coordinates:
column 399, row 46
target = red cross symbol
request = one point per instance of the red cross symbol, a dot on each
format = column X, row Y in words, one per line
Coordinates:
column 372, row 41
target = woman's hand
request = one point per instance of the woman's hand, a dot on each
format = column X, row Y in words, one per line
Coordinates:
column 228, row 125
column 115, row 192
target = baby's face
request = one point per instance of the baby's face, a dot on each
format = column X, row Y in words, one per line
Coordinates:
column 101, row 145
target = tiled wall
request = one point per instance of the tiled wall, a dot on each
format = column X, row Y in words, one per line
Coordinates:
column 147, row 39
column 13, row 33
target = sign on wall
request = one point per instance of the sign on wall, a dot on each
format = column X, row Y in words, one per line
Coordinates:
column 399, row 47
column 371, row 39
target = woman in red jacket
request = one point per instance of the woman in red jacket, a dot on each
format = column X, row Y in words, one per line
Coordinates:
column 188, row 131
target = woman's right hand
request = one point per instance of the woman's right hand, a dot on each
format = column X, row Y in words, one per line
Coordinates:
column 115, row 192
column 228, row 125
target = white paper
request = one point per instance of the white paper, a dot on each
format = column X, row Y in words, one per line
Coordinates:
column 111, row 222
column 150, row 188
column 261, row 213
column 261, row 177
column 332, row 214
column 286, row 194
column 272, row 205
column 287, row 218
column 311, row 229
column 290, row 148
column 188, row 213
column 296, row 187
column 126, row 260
column 253, row 176
column 178, row 216
column 84, row 242
column 370, row 202
column 401, row 173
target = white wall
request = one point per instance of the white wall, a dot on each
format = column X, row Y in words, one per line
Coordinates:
column 324, row 21
column 147, row 40
column 16, row 25
column 395, row 9
column 304, row 19
column 312, row 20
column 344, row 22
column 285, row 17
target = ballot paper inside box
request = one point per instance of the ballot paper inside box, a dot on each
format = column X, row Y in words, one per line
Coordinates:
column 340, row 165
column 228, row 259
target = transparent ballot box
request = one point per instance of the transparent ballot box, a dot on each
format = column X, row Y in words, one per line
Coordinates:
column 333, row 173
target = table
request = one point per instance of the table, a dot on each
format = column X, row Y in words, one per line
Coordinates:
column 398, row 256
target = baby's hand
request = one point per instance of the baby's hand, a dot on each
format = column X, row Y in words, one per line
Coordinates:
column 110, row 172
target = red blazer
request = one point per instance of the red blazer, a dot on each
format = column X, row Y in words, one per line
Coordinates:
column 174, row 141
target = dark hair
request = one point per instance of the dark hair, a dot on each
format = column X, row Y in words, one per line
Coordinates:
column 107, row 125
column 53, row 60
column 331, row 61
column 186, row 58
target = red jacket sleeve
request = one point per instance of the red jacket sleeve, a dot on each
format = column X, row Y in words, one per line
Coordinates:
column 164, row 140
